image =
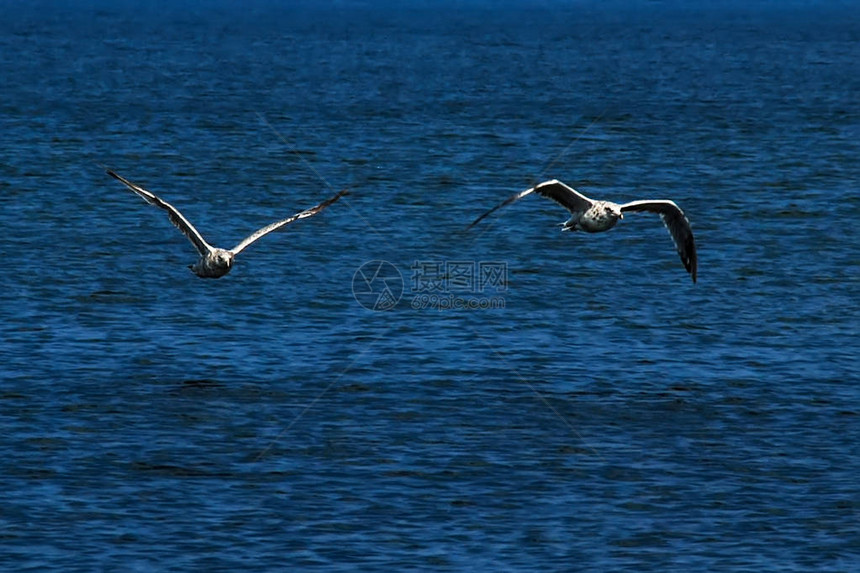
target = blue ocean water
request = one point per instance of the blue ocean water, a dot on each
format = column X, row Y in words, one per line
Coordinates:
column 584, row 406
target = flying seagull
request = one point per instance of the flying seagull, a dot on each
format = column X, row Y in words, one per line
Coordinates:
column 594, row 216
column 215, row 262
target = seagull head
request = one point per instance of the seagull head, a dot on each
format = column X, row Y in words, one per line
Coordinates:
column 613, row 210
column 223, row 258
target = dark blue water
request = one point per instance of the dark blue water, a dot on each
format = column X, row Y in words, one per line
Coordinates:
column 589, row 408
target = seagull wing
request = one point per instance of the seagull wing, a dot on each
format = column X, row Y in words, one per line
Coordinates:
column 260, row 233
column 677, row 224
column 562, row 194
column 173, row 213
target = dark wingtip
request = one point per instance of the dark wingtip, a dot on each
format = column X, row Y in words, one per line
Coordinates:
column 334, row 198
column 504, row 203
column 478, row 220
column 694, row 258
column 328, row 202
column 691, row 266
column 337, row 197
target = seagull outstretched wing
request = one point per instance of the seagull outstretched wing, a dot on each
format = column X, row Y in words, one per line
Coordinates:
column 173, row 214
column 677, row 224
column 566, row 196
column 260, row 233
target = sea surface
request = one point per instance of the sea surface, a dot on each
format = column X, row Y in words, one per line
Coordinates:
column 377, row 388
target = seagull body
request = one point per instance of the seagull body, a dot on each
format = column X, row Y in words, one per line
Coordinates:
column 594, row 216
column 214, row 262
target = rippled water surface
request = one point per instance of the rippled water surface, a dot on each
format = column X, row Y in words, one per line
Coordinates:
column 585, row 407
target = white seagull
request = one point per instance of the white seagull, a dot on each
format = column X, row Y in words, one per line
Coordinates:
column 215, row 262
column 594, row 216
